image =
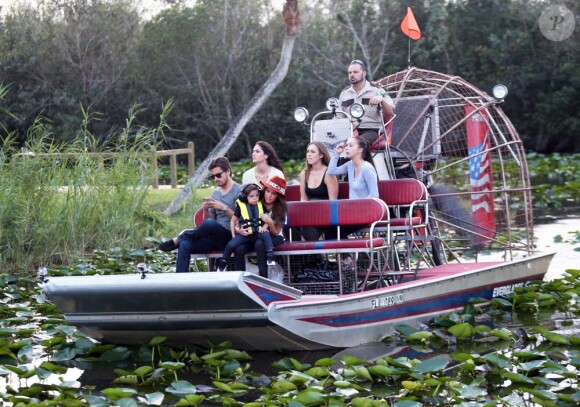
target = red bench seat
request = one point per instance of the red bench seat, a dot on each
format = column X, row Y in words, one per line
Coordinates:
column 322, row 245
column 369, row 213
column 293, row 192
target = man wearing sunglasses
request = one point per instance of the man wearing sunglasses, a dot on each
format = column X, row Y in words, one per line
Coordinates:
column 214, row 232
column 375, row 100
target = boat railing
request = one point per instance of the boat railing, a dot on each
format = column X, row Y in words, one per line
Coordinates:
column 394, row 240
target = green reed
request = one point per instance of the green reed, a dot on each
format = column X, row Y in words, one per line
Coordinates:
column 62, row 200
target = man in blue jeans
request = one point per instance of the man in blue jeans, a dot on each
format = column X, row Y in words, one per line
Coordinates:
column 214, row 232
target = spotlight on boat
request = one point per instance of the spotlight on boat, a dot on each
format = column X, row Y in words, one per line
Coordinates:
column 331, row 104
column 143, row 269
column 42, row 273
column 357, row 110
column 500, row 91
column 301, row 114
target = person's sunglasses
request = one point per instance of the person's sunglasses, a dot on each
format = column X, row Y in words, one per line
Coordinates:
column 358, row 61
column 218, row 175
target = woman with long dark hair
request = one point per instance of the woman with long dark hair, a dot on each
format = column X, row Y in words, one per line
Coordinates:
column 363, row 181
column 275, row 210
column 267, row 163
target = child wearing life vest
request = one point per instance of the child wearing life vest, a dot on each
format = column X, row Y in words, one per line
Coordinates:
column 247, row 225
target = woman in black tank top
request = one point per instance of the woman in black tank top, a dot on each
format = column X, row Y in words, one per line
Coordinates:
column 319, row 192
column 316, row 183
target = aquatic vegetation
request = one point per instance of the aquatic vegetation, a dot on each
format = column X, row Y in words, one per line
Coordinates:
column 555, row 179
column 461, row 358
column 573, row 239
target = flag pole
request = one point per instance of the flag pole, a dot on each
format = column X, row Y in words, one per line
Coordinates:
column 409, row 58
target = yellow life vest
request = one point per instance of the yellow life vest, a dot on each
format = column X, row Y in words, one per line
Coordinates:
column 246, row 220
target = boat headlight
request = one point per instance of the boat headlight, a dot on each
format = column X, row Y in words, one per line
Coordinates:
column 301, row 114
column 331, row 103
column 357, row 110
column 500, row 91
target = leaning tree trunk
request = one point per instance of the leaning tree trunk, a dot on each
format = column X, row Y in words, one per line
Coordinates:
column 291, row 19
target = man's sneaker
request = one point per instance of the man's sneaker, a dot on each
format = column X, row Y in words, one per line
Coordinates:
column 223, row 265
column 167, row 246
column 270, row 261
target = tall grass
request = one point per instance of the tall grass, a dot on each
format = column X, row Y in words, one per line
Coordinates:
column 59, row 201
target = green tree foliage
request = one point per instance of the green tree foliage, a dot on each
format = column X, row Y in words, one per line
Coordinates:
column 63, row 55
column 211, row 56
column 495, row 41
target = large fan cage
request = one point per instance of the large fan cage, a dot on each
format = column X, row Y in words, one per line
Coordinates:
column 470, row 156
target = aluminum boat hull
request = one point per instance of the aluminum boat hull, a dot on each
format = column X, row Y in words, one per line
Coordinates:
column 258, row 314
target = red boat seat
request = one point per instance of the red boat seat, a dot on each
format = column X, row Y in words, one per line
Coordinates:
column 198, row 217
column 293, row 192
column 331, row 213
column 407, row 200
column 343, row 212
column 380, row 143
column 321, row 245
column 403, row 191
column 343, row 190
column 336, row 213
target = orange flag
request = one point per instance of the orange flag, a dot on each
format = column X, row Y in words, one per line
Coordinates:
column 409, row 25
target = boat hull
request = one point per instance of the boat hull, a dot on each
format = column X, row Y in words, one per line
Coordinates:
column 258, row 314
column 366, row 317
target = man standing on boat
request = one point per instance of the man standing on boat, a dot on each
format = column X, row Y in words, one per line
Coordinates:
column 214, row 232
column 375, row 101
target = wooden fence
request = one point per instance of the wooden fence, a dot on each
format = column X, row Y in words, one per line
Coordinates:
column 155, row 155
column 172, row 154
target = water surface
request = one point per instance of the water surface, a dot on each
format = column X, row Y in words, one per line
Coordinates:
column 566, row 256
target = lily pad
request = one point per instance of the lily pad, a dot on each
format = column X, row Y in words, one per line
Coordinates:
column 118, row 393
column 181, row 388
column 432, row 365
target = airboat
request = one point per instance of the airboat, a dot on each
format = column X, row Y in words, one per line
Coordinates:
column 453, row 223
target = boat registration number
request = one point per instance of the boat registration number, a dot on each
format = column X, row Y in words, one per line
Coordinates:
column 388, row 301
